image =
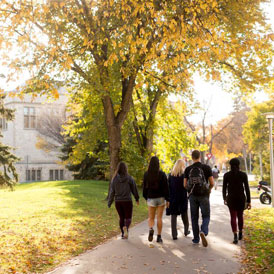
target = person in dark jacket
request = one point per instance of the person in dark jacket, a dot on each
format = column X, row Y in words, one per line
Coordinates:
column 121, row 187
column 236, row 194
column 155, row 192
column 199, row 182
column 178, row 198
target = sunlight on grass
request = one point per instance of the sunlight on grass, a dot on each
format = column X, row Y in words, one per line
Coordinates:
column 43, row 224
column 259, row 240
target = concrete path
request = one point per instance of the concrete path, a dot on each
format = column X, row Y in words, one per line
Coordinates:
column 137, row 256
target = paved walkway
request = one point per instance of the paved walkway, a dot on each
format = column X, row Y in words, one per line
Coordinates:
column 137, row 256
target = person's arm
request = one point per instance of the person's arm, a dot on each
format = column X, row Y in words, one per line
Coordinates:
column 111, row 194
column 211, row 182
column 224, row 188
column 185, row 179
column 165, row 188
column 134, row 190
column 145, row 189
column 247, row 191
column 210, row 178
column 185, row 183
column 169, row 184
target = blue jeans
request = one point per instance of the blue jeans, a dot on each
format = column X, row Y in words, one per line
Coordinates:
column 197, row 202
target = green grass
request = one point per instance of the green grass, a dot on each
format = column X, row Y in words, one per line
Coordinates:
column 44, row 224
column 253, row 183
column 259, row 240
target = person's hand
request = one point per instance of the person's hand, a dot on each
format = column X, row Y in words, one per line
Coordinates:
column 225, row 202
column 167, row 204
column 249, row 206
column 137, row 203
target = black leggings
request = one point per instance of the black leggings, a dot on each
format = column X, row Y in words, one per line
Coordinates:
column 124, row 209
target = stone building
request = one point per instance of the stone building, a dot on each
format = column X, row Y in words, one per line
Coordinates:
column 22, row 135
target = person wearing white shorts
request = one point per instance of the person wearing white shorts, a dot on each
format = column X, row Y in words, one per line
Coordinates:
column 156, row 193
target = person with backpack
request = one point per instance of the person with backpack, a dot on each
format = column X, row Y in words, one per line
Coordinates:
column 199, row 182
column 178, row 198
column 215, row 173
column 156, row 193
column 236, row 195
column 121, row 188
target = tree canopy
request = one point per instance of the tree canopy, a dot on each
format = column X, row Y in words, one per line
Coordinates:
column 105, row 45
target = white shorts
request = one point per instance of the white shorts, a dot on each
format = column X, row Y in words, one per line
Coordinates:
column 154, row 202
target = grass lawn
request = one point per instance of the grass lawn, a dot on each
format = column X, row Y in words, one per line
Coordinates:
column 259, row 241
column 43, row 224
column 253, row 183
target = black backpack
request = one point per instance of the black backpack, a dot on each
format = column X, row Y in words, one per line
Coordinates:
column 196, row 183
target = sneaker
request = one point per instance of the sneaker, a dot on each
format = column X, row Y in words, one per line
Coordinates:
column 187, row 233
column 175, row 238
column 159, row 239
column 125, row 233
column 150, row 235
column 240, row 235
column 203, row 237
column 195, row 242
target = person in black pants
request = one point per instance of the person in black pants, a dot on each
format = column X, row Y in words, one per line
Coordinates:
column 121, row 187
column 156, row 193
column 236, row 194
column 178, row 198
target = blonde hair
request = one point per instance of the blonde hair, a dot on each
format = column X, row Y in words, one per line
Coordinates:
column 178, row 168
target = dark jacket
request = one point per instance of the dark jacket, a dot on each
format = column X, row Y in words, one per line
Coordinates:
column 236, row 190
column 178, row 195
column 161, row 191
column 121, row 188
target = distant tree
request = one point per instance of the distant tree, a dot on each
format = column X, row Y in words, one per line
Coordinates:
column 51, row 132
column 256, row 135
column 91, row 167
column 8, row 175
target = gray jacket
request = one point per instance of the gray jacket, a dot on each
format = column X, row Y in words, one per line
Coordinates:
column 121, row 188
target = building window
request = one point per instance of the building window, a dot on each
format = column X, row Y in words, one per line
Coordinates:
column 33, row 175
column 27, row 175
column 3, row 124
column 51, row 175
column 29, row 117
column 61, row 174
column 38, row 174
column 56, row 174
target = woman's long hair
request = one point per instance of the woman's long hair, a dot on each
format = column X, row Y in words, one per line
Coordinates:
column 178, row 168
column 153, row 173
column 234, row 165
column 121, row 170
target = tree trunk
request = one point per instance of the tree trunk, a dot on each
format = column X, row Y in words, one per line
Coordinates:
column 114, row 133
column 261, row 165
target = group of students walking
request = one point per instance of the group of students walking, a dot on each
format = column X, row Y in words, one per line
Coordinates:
column 192, row 184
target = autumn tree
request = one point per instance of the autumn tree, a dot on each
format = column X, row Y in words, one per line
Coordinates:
column 104, row 45
column 256, row 135
column 51, row 132
column 8, row 174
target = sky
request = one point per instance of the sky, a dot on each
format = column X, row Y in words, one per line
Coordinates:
column 220, row 102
